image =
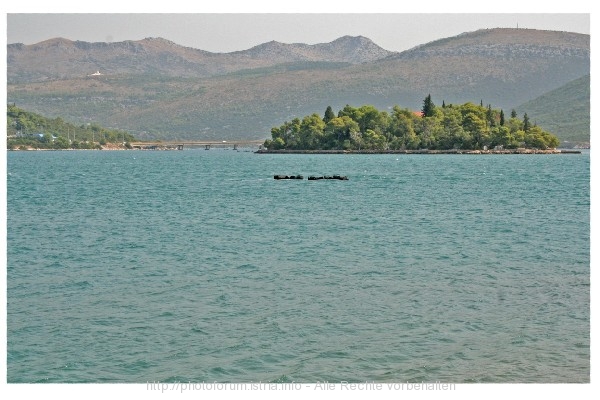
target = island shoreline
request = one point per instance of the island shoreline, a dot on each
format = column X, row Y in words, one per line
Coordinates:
column 504, row 151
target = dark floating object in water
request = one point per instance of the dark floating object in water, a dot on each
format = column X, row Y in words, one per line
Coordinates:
column 288, row 177
column 338, row 177
column 311, row 178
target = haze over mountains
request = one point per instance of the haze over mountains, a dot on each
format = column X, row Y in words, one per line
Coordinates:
column 158, row 89
column 65, row 59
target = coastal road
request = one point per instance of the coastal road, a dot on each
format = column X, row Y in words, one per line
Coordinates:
column 205, row 143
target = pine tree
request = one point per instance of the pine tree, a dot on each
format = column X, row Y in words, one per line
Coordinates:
column 513, row 113
column 329, row 115
column 428, row 106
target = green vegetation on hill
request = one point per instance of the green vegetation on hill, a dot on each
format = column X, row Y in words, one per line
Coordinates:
column 565, row 111
column 29, row 130
column 467, row 126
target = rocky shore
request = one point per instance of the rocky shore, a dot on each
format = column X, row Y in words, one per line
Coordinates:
column 503, row 151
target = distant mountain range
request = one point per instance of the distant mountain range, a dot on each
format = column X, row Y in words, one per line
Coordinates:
column 66, row 59
column 158, row 89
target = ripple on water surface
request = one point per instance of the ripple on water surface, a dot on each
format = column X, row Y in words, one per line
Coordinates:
column 198, row 266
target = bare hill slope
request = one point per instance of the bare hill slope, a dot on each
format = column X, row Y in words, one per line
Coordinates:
column 158, row 89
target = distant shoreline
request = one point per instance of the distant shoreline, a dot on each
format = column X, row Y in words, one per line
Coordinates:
column 262, row 151
column 505, row 151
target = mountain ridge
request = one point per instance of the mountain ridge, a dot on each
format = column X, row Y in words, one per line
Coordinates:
column 178, row 92
column 27, row 63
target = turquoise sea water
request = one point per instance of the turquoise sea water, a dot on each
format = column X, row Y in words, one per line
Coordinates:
column 198, row 266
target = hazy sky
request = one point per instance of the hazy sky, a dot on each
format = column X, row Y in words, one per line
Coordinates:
column 225, row 32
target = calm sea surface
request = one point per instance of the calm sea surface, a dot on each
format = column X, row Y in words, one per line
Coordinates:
column 198, row 266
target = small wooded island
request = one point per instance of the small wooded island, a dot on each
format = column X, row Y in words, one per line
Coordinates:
column 444, row 129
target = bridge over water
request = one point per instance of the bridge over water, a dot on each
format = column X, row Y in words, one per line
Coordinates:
column 207, row 144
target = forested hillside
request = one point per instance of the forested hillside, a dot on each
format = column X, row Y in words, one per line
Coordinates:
column 30, row 130
column 564, row 111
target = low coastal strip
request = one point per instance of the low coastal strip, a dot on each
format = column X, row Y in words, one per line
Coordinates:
column 454, row 151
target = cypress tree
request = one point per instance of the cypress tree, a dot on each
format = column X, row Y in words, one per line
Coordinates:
column 428, row 106
column 526, row 122
column 490, row 115
column 501, row 117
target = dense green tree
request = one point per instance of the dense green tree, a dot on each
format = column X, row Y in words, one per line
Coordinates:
column 428, row 106
column 490, row 116
column 274, row 144
column 501, row 118
column 329, row 115
column 311, row 132
column 535, row 137
column 24, row 125
column 278, row 144
column 61, row 142
column 342, row 127
column 373, row 140
column 426, row 130
column 477, row 129
column 368, row 117
column 402, row 129
column 526, row 125
column 500, row 136
column 516, row 139
column 470, row 108
column 453, row 136
column 348, row 111
column 514, row 124
column 513, row 113
column 280, row 132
